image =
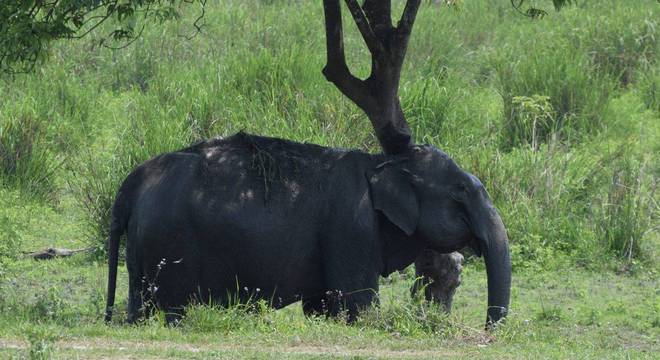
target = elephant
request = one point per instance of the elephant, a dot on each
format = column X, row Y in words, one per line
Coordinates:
column 247, row 217
column 438, row 275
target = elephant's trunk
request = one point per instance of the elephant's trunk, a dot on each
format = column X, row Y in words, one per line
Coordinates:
column 498, row 268
column 494, row 245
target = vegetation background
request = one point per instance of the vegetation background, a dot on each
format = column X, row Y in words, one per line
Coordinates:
column 558, row 116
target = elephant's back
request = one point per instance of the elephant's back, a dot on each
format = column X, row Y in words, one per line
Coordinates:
column 222, row 212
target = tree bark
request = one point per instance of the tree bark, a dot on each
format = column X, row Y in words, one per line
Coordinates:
column 377, row 95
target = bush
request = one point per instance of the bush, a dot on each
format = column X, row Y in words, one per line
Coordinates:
column 531, row 122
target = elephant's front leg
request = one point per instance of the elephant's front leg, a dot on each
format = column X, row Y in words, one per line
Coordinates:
column 315, row 305
column 439, row 275
column 350, row 288
column 350, row 303
column 351, row 264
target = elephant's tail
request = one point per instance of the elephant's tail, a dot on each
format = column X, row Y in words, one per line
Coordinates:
column 117, row 228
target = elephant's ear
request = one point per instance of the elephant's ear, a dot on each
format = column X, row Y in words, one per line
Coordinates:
column 393, row 194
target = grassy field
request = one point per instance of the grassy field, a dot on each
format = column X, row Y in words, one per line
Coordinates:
column 559, row 117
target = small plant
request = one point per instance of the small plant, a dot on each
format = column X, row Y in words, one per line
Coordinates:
column 47, row 305
column 531, row 121
column 550, row 313
column 235, row 317
column 41, row 343
column 592, row 317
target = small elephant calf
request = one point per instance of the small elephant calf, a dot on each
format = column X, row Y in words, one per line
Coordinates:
column 438, row 275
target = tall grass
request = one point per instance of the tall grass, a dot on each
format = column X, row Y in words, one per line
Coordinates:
column 25, row 158
column 630, row 210
column 536, row 108
column 10, row 237
column 549, row 67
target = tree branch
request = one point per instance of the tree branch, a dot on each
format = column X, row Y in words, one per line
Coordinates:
column 404, row 27
column 379, row 14
column 373, row 43
column 336, row 71
column 333, row 34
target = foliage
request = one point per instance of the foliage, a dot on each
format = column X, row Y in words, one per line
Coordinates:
column 28, row 27
column 650, row 88
column 535, row 69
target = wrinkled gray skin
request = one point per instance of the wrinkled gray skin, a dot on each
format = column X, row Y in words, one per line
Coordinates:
column 249, row 217
column 438, row 275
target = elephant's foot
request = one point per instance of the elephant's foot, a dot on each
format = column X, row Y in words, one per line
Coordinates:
column 438, row 275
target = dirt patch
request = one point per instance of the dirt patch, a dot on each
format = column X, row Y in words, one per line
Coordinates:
column 127, row 349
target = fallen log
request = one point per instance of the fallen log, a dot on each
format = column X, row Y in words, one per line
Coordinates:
column 52, row 253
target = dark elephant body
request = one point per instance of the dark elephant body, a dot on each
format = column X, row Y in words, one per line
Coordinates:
column 250, row 217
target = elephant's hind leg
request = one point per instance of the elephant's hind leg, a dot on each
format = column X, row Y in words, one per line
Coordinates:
column 140, row 293
column 137, row 297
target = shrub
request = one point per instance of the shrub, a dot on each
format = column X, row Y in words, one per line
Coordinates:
column 530, row 122
column 94, row 184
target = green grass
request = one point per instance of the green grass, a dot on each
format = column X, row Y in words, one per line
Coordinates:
column 559, row 118
column 592, row 315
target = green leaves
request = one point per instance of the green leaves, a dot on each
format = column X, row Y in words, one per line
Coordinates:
column 534, row 12
column 27, row 27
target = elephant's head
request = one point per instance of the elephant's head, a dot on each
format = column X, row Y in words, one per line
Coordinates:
column 430, row 199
